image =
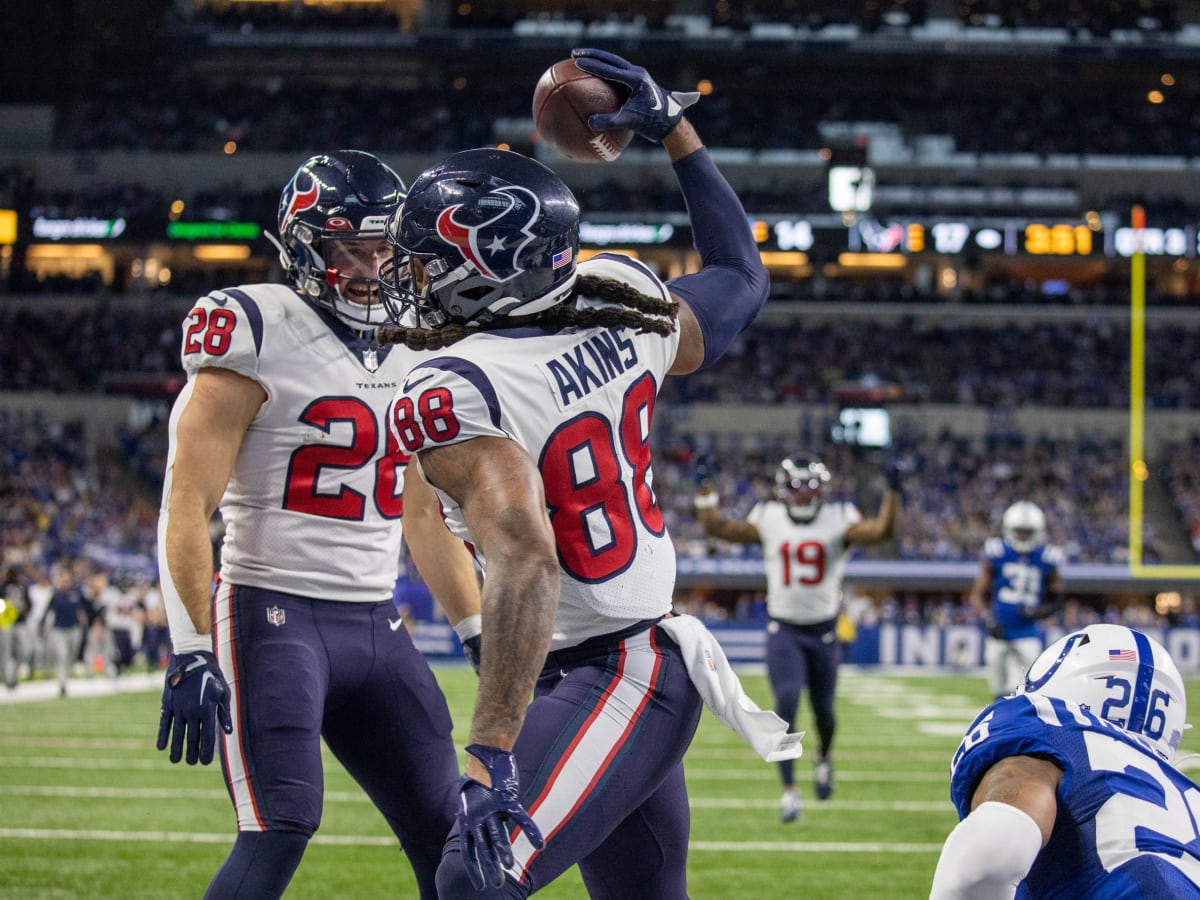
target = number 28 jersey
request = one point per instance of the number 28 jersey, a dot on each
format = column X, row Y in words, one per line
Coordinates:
column 579, row 402
column 805, row 561
column 314, row 501
column 1127, row 820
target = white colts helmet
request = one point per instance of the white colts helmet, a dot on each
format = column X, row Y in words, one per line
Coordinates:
column 1120, row 675
column 1023, row 526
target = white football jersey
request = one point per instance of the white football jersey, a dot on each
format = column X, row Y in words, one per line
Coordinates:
column 119, row 608
column 805, row 561
column 580, row 403
column 313, row 505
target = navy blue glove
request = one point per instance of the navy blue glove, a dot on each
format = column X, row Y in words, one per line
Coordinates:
column 894, row 471
column 650, row 111
column 482, row 813
column 472, row 648
column 195, row 697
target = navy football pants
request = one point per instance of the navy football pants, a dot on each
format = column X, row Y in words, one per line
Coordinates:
column 798, row 655
column 302, row 669
column 600, row 760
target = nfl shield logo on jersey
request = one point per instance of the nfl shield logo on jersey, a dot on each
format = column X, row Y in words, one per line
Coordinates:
column 276, row 616
column 370, row 359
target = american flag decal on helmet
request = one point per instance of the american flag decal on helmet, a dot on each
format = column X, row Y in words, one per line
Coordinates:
column 1122, row 654
column 561, row 258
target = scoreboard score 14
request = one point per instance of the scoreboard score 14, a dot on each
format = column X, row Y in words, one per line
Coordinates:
column 1100, row 236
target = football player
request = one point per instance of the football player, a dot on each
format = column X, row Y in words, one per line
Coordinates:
column 533, row 424
column 1068, row 787
column 805, row 541
column 282, row 425
column 1017, row 585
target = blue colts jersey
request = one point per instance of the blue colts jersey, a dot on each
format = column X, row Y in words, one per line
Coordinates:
column 1128, row 822
column 1019, row 583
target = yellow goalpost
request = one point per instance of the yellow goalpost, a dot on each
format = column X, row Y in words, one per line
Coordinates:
column 1138, row 470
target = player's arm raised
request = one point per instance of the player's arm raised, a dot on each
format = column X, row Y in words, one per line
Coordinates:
column 1012, row 815
column 725, row 296
column 208, row 436
column 737, row 531
column 883, row 526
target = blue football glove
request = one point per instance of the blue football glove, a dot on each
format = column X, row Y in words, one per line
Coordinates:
column 894, row 471
column 472, row 648
column 482, row 813
column 195, row 697
column 650, row 111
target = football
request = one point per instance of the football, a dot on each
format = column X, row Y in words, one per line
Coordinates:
column 563, row 100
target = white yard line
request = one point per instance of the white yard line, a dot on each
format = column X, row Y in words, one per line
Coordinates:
column 181, row 837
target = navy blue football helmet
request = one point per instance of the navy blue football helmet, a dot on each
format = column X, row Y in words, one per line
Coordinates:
column 332, row 216
column 800, row 483
column 492, row 235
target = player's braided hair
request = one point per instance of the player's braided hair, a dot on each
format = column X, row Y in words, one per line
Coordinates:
column 629, row 308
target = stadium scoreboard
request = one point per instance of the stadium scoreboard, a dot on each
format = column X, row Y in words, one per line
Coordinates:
column 1097, row 237
column 1093, row 235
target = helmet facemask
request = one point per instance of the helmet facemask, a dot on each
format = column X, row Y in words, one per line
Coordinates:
column 340, row 271
column 800, row 484
column 332, row 217
column 407, row 305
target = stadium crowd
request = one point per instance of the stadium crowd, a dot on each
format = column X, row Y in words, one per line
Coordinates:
column 169, row 115
column 69, row 510
column 81, row 524
column 780, row 192
column 1079, row 364
column 87, row 514
column 1077, row 18
column 960, row 479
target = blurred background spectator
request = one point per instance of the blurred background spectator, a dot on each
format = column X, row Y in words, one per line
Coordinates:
column 982, row 294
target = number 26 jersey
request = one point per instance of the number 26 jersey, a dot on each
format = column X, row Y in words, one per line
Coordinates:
column 1126, row 825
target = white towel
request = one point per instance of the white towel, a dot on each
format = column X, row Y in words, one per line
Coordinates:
column 718, row 684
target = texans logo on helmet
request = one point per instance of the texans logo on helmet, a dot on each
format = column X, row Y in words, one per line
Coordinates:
column 484, row 245
column 302, row 200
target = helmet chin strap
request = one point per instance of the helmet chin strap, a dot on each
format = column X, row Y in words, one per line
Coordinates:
column 285, row 258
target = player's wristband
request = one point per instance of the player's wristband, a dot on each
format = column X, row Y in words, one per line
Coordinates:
column 706, row 501
column 469, row 627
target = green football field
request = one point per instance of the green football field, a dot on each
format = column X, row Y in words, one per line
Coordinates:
column 92, row 810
